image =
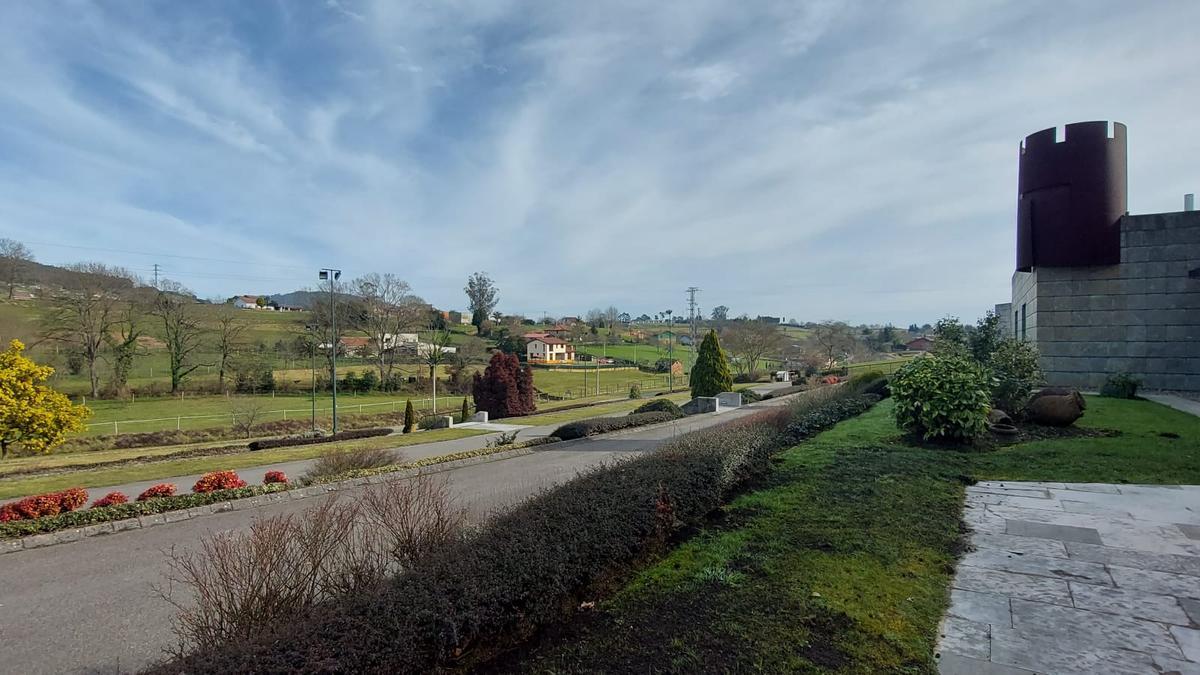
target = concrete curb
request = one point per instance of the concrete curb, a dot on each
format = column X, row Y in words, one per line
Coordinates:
column 75, row 534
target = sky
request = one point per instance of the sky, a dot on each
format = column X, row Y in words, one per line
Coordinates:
column 816, row 160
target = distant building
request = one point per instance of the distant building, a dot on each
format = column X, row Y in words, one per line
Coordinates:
column 458, row 317
column 355, row 346
column 549, row 350
column 921, row 344
column 773, row 320
column 246, row 302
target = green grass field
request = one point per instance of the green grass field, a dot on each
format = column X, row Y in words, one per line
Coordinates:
column 840, row 561
column 583, row 381
column 637, row 353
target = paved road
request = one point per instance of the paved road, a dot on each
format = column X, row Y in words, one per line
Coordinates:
column 254, row 474
column 90, row 606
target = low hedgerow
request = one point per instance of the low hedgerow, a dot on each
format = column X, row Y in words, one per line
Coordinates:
column 750, row 396
column 429, row 422
column 603, row 425
column 269, row 443
column 660, row 405
column 526, row 568
column 415, row 464
column 66, row 521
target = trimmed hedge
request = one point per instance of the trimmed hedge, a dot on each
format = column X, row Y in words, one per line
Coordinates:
column 427, row 461
column 530, row 567
column 267, row 444
column 603, row 425
column 66, row 521
column 660, row 405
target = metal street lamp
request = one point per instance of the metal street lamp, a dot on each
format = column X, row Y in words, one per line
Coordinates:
column 332, row 275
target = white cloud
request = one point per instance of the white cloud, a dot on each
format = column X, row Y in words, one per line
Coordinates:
column 830, row 159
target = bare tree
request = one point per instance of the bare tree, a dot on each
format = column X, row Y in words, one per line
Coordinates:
column 388, row 309
column 246, row 411
column 230, row 329
column 174, row 307
column 14, row 264
column 482, row 296
column 750, row 341
column 832, row 340
column 84, row 312
column 122, row 341
column 435, row 353
column 328, row 331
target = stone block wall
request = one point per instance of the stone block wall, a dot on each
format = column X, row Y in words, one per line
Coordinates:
column 1141, row 316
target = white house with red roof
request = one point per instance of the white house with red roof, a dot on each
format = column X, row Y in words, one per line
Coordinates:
column 548, row 349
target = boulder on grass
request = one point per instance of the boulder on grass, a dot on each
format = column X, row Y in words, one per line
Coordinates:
column 1056, row 391
column 1056, row 410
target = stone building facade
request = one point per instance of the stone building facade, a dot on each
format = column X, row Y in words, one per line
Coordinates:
column 1137, row 312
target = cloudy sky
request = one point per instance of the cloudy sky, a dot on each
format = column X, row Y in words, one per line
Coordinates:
column 852, row 160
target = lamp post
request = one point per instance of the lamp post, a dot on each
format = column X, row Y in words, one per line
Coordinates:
column 332, row 275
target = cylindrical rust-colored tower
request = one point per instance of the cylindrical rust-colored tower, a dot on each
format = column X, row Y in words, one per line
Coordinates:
column 1071, row 196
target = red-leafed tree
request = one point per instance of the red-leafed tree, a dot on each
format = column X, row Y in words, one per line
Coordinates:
column 505, row 389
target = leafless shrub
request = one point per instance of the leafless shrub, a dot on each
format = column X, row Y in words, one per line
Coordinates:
column 246, row 411
column 413, row 517
column 337, row 461
column 241, row 582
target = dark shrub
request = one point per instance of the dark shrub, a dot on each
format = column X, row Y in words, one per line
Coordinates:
column 750, row 396
column 1121, row 385
column 603, row 425
column 269, row 443
column 434, row 422
column 525, row 567
column 870, row 382
column 659, row 405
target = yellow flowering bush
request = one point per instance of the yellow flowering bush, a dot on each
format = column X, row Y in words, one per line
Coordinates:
column 33, row 417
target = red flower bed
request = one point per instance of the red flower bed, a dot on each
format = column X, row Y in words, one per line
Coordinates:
column 49, row 504
column 274, row 477
column 110, row 499
column 160, row 490
column 218, row 480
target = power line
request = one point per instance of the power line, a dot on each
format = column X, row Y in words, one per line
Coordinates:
column 691, row 291
column 163, row 255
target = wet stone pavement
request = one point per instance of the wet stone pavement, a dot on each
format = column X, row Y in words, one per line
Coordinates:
column 1076, row 578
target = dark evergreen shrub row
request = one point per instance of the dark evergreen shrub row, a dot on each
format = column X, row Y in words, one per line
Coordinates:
column 268, row 443
column 603, row 425
column 529, row 567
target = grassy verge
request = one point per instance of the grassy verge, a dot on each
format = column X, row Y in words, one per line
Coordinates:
column 20, row 487
column 842, row 558
column 561, row 417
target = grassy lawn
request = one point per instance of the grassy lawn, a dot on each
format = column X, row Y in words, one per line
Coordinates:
column 842, row 559
column 564, row 416
column 643, row 353
column 18, row 487
column 583, row 380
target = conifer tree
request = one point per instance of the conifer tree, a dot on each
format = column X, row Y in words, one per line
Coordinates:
column 711, row 375
column 410, row 418
column 466, row 410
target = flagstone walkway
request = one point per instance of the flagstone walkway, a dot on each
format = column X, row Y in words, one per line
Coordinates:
column 1077, row 578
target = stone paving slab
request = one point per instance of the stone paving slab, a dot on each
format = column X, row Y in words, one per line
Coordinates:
column 1076, row 578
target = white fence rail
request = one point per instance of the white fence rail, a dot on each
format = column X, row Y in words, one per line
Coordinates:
column 450, row 402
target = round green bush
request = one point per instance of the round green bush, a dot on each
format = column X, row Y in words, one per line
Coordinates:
column 1015, row 372
column 943, row 398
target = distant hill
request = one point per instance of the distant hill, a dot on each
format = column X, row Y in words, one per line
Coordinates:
column 304, row 299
